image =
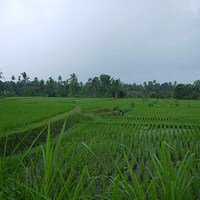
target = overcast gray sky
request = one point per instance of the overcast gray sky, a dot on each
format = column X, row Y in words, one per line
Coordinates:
column 134, row 40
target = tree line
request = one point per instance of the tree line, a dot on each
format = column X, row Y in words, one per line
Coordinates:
column 102, row 86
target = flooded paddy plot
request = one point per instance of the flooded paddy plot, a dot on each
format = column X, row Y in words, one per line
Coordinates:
column 109, row 141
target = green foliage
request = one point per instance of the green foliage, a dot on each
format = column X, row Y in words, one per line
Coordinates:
column 110, row 157
column 15, row 137
column 103, row 86
column 150, row 104
column 6, row 93
column 180, row 91
column 100, row 110
column 21, row 112
column 176, row 102
column 133, row 104
column 126, row 109
column 144, row 100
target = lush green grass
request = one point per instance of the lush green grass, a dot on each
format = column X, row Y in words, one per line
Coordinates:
column 151, row 152
column 19, row 112
column 108, row 161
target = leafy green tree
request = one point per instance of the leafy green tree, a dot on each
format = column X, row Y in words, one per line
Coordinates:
column 189, row 91
column 196, row 90
column 6, row 93
column 164, row 91
column 35, row 83
column 197, row 85
column 175, row 84
column 180, row 91
column 145, row 84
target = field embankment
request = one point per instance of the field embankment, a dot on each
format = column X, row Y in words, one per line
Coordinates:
column 15, row 137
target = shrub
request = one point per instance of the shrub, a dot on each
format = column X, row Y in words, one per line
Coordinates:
column 176, row 103
column 133, row 104
column 150, row 105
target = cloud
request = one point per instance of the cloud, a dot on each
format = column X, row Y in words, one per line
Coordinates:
column 136, row 41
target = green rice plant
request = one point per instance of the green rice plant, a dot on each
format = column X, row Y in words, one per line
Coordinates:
column 8, row 185
column 51, row 180
column 172, row 183
column 22, row 112
column 118, row 143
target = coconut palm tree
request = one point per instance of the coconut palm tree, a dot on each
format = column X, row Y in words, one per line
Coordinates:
column 116, row 85
column 105, row 82
column 51, row 84
column 73, row 82
column 25, row 79
column 60, row 79
column 93, row 85
column 12, row 77
column 1, row 74
column 41, row 85
column 13, row 84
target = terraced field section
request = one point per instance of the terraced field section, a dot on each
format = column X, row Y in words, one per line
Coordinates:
column 146, row 149
column 134, row 145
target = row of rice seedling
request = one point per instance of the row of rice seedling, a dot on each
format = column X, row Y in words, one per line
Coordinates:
column 113, row 140
column 24, row 111
column 147, row 120
column 117, row 158
column 17, row 114
column 106, row 150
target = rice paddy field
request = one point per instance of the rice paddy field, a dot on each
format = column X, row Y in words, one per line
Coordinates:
column 146, row 149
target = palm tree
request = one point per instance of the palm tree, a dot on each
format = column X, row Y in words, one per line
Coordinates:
column 197, row 85
column 60, row 85
column 116, row 84
column 25, row 79
column 41, row 86
column 93, row 85
column 73, row 81
column 66, row 86
column 60, row 79
column 50, row 84
column 13, row 83
column 1, row 74
column 105, row 82
column 12, row 77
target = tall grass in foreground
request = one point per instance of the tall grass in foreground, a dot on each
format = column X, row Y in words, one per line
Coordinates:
column 44, row 178
column 50, row 175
